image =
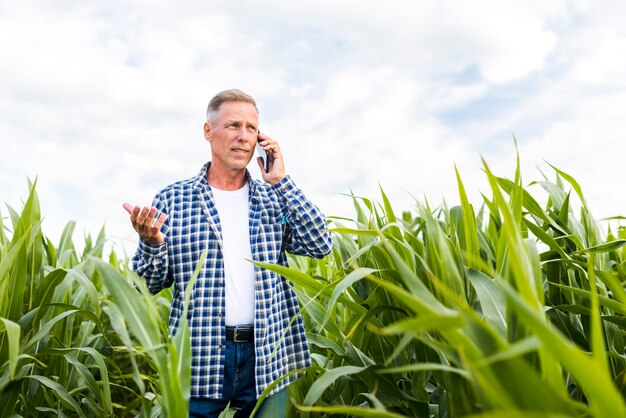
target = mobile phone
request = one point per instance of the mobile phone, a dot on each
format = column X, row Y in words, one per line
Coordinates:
column 264, row 155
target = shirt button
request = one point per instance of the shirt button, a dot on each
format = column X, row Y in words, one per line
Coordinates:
column 219, row 315
column 221, row 346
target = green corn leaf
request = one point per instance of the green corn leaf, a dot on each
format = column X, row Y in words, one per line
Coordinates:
column 605, row 247
column 425, row 367
column 603, row 397
column 491, row 299
column 340, row 288
column 12, row 332
column 352, row 411
column 60, row 391
column 326, row 343
column 609, row 303
column 327, row 379
column 472, row 246
column 362, row 232
column 424, row 323
column 45, row 329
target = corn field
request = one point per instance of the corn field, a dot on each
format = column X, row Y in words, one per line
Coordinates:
column 506, row 308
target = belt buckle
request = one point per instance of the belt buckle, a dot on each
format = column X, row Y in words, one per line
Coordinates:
column 236, row 336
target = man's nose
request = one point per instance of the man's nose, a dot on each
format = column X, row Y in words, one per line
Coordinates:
column 243, row 135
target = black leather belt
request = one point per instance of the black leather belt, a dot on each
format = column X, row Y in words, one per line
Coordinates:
column 240, row 334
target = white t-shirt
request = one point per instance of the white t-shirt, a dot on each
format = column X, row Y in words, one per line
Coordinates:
column 232, row 207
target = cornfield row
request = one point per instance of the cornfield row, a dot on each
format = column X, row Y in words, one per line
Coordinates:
column 515, row 309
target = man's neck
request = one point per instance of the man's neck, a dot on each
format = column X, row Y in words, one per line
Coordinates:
column 225, row 179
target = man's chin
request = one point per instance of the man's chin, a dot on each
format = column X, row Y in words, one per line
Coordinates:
column 240, row 166
column 239, row 163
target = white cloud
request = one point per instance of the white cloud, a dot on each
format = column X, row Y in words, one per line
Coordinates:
column 605, row 60
column 590, row 146
column 105, row 101
column 371, row 126
column 505, row 40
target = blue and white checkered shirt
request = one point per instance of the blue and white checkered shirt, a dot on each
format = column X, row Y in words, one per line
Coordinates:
column 281, row 219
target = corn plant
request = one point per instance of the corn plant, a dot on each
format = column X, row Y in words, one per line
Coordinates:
column 81, row 336
column 511, row 310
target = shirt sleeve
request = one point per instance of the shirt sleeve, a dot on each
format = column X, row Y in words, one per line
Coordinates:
column 151, row 261
column 306, row 232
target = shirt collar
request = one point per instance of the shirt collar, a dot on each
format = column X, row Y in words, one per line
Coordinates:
column 200, row 181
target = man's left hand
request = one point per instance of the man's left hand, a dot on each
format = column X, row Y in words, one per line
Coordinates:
column 276, row 163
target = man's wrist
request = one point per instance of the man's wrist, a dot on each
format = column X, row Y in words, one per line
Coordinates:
column 274, row 182
column 284, row 186
column 152, row 249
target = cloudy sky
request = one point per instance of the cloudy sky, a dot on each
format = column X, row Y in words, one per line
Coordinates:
column 104, row 101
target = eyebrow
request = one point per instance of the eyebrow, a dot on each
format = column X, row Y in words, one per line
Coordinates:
column 229, row 121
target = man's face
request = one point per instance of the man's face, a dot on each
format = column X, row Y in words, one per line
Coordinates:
column 233, row 135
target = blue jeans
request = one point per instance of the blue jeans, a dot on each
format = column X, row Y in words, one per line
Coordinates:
column 239, row 389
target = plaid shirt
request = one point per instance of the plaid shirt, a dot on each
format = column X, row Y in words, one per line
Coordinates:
column 280, row 219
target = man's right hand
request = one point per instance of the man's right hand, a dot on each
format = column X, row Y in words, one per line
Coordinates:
column 144, row 223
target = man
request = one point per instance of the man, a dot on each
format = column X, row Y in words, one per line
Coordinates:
column 240, row 316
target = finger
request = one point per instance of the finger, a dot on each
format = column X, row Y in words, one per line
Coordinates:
column 129, row 208
column 275, row 153
column 259, row 160
column 159, row 223
column 148, row 225
column 151, row 215
column 142, row 216
column 135, row 215
column 266, row 142
column 273, row 147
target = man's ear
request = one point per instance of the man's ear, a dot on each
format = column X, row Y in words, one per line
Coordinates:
column 207, row 131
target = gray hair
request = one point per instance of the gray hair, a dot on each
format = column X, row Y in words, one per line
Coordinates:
column 232, row 95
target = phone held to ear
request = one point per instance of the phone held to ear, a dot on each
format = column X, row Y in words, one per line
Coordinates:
column 264, row 155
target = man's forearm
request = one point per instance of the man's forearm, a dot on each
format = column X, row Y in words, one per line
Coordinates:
column 307, row 224
column 151, row 263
